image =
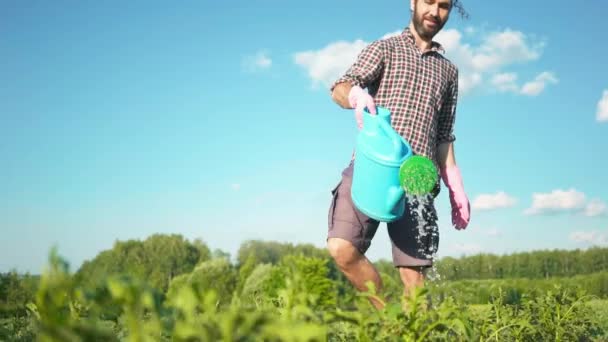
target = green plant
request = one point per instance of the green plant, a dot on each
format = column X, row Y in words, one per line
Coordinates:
column 295, row 299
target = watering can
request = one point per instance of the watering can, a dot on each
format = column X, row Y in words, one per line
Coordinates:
column 379, row 154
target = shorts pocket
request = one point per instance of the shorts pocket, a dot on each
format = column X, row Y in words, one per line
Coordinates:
column 332, row 205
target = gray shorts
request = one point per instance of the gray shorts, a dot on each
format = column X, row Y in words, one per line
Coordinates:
column 414, row 237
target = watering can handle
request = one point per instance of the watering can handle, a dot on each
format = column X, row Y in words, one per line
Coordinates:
column 395, row 137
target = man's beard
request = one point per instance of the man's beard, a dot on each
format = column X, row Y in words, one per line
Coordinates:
column 424, row 32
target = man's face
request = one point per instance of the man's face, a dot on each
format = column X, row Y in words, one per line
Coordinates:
column 430, row 16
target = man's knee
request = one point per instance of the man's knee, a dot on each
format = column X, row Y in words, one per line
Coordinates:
column 342, row 251
column 412, row 275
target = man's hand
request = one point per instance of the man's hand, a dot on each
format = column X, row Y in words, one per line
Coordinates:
column 350, row 97
column 461, row 209
column 450, row 173
column 359, row 99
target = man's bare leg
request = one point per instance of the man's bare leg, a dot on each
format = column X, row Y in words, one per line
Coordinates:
column 355, row 266
column 412, row 278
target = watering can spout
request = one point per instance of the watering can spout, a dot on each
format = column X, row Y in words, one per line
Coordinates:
column 395, row 195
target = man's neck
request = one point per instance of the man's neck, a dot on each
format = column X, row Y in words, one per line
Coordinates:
column 422, row 44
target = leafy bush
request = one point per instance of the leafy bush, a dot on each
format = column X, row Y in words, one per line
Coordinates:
column 294, row 299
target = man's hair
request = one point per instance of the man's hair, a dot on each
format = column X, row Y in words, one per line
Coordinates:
column 458, row 5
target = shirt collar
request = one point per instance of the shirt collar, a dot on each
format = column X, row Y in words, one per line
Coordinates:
column 435, row 46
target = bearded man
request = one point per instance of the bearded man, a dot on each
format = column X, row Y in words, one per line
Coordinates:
column 408, row 75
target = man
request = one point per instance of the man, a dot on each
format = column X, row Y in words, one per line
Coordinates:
column 408, row 75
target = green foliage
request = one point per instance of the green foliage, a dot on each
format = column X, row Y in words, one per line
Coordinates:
column 18, row 329
column 15, row 291
column 272, row 252
column 246, row 269
column 480, row 291
column 259, row 285
column 265, row 282
column 219, row 254
column 600, row 312
column 215, row 274
column 533, row 265
column 297, row 295
column 557, row 315
column 177, row 283
column 561, row 316
column 312, row 273
column 158, row 259
column 411, row 319
column 59, row 306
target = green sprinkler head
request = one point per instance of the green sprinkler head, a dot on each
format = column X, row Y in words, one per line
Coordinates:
column 418, row 175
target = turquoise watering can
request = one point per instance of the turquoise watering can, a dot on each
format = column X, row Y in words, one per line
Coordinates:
column 379, row 153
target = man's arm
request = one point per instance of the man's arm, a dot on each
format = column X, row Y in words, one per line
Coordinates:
column 449, row 170
column 445, row 155
column 340, row 94
column 366, row 68
column 450, row 174
column 447, row 117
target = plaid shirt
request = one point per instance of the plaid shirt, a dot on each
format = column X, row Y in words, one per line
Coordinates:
column 419, row 89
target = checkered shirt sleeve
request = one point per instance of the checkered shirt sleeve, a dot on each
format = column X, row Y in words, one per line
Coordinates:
column 367, row 68
column 447, row 114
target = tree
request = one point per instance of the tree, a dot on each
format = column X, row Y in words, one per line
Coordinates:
column 158, row 259
column 216, row 275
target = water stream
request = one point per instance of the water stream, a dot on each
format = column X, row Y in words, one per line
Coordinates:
column 428, row 233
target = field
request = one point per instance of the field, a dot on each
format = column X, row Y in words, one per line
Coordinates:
column 279, row 292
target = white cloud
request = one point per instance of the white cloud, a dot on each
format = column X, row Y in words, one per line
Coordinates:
column 503, row 48
column 493, row 201
column 589, row 237
column 505, row 81
column 556, row 201
column 391, row 34
column 235, row 186
column 536, row 86
column 258, row 61
column 570, row 200
column 328, row 63
column 497, row 51
column 476, row 63
column 602, row 108
column 462, row 55
column 595, row 207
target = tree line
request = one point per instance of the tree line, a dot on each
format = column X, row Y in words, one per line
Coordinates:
column 283, row 293
column 161, row 258
column 533, row 265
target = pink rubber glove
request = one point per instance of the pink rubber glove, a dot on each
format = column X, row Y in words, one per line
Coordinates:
column 359, row 99
column 461, row 209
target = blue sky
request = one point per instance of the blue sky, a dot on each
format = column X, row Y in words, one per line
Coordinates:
column 213, row 120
